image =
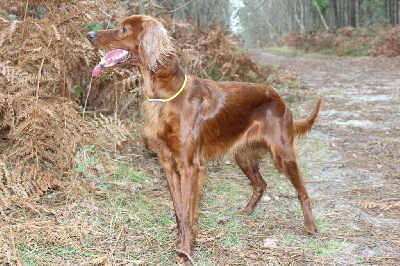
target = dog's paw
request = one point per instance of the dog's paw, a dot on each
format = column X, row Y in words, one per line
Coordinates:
column 246, row 212
column 183, row 257
column 311, row 227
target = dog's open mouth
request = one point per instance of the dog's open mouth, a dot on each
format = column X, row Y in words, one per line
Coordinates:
column 110, row 59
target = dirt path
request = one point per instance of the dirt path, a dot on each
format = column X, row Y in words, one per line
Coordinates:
column 358, row 178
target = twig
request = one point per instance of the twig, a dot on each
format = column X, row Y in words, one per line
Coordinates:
column 38, row 81
column 62, row 53
column 182, row 6
column 37, row 101
column 64, row 74
column 13, row 245
column 87, row 96
column 39, row 75
column 116, row 99
column 26, row 9
column 116, row 242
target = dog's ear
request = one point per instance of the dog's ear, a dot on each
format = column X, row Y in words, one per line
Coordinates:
column 155, row 44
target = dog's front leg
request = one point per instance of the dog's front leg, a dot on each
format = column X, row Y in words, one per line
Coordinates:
column 190, row 173
column 174, row 184
column 173, row 180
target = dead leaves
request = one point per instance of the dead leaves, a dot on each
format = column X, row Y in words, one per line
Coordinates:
column 385, row 206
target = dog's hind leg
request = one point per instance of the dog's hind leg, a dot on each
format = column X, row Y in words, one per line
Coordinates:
column 248, row 160
column 280, row 143
column 287, row 164
column 284, row 156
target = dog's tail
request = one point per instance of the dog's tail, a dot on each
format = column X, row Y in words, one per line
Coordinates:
column 303, row 126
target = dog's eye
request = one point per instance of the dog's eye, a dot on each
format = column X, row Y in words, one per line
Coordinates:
column 123, row 29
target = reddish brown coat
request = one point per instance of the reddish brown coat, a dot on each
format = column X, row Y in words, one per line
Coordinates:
column 207, row 119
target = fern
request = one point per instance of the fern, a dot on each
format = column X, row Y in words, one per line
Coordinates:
column 113, row 130
column 24, row 186
column 7, row 33
column 15, row 76
column 5, row 248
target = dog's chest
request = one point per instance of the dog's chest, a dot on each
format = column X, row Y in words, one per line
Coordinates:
column 159, row 122
column 153, row 119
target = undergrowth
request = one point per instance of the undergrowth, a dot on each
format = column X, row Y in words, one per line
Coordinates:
column 347, row 41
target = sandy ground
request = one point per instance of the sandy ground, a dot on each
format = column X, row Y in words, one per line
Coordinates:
column 358, row 177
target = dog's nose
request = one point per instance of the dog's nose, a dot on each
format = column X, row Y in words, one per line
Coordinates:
column 91, row 35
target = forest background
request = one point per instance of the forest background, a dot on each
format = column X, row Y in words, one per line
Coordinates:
column 71, row 147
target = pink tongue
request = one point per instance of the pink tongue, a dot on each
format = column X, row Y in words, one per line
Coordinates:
column 97, row 70
column 110, row 56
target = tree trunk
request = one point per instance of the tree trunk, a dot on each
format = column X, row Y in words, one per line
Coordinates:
column 296, row 17
column 320, row 14
column 348, row 11
column 335, row 13
column 372, row 12
column 339, row 4
column 353, row 13
column 368, row 14
column 390, row 11
column 342, row 8
column 361, row 13
column 386, row 11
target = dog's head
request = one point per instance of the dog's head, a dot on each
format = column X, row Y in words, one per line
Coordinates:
column 139, row 40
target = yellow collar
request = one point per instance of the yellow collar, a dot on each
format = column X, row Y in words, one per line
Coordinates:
column 171, row 98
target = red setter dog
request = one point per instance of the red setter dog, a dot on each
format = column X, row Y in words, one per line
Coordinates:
column 189, row 120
